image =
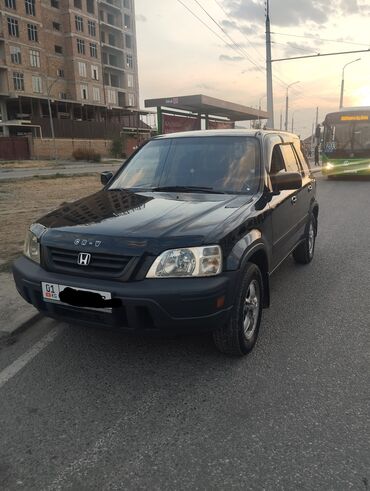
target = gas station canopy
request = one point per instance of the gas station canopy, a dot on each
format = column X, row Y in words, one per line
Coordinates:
column 210, row 106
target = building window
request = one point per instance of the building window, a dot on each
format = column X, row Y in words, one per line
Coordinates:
column 130, row 80
column 30, row 7
column 112, row 39
column 10, row 4
column 129, row 61
column 126, row 4
column 62, row 95
column 84, row 92
column 56, row 26
column 58, row 49
column 34, row 58
column 128, row 41
column 91, row 27
column 54, row 3
column 81, row 46
column 32, row 33
column 60, row 72
column 111, row 96
column 127, row 21
column 13, row 27
column 15, row 55
column 36, row 84
column 130, row 99
column 113, row 60
column 18, row 81
column 102, row 36
column 96, row 93
column 93, row 50
column 94, row 72
column 79, row 23
column 78, row 4
column 90, row 6
column 110, row 19
column 101, row 15
column 82, row 69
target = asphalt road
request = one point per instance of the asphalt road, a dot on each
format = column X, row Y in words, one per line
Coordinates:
column 98, row 410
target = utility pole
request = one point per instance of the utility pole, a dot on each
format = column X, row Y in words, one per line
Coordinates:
column 270, row 95
column 281, row 120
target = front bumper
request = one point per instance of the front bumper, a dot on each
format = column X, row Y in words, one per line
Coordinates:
column 164, row 304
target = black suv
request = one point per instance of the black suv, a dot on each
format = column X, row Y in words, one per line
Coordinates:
column 185, row 235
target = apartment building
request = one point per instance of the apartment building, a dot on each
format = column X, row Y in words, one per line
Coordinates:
column 79, row 55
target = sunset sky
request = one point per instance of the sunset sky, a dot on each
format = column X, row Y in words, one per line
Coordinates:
column 179, row 56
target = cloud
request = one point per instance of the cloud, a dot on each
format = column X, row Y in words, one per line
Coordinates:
column 292, row 12
column 230, row 58
column 141, row 18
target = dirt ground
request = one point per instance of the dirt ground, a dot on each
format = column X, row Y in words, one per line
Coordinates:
column 23, row 201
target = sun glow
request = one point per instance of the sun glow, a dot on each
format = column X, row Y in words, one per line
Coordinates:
column 362, row 96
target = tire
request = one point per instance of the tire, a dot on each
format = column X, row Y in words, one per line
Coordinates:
column 239, row 335
column 304, row 252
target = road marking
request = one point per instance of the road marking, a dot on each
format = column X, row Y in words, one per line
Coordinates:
column 21, row 362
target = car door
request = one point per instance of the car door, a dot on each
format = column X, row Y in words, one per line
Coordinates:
column 307, row 193
column 286, row 213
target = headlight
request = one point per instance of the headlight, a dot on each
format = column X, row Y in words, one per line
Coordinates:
column 329, row 165
column 187, row 262
column 32, row 244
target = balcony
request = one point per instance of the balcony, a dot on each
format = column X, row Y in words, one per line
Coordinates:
column 111, row 46
column 112, row 4
column 111, row 26
column 113, row 67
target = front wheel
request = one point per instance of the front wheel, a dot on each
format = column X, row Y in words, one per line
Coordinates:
column 303, row 254
column 239, row 335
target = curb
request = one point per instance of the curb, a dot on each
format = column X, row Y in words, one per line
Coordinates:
column 23, row 326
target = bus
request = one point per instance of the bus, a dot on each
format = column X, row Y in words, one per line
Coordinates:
column 346, row 142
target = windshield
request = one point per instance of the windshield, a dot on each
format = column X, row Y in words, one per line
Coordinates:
column 226, row 164
column 347, row 139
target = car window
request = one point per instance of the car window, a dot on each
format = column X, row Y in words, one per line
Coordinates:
column 302, row 158
column 223, row 163
column 290, row 160
column 277, row 162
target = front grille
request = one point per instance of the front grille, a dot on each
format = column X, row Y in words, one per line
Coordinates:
column 107, row 265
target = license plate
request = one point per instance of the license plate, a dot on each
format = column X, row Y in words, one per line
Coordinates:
column 51, row 293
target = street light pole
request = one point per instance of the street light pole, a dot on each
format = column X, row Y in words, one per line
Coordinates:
column 51, row 118
column 287, row 104
column 342, row 85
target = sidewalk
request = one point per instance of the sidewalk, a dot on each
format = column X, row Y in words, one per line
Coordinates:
column 69, row 168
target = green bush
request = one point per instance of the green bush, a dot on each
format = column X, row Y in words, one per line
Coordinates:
column 86, row 154
column 116, row 147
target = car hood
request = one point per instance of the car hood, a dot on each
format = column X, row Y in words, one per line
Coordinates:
column 126, row 219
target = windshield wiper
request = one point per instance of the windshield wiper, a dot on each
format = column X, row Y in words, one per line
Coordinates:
column 188, row 189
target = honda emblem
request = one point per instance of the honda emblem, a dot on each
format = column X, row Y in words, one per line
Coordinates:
column 83, row 259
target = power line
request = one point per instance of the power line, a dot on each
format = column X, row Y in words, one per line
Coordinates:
column 259, row 67
column 319, row 39
column 293, row 47
column 239, row 29
column 210, row 29
column 229, row 37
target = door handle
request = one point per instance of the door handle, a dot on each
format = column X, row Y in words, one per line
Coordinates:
column 294, row 200
column 309, row 187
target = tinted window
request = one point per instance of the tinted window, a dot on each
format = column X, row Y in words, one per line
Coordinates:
column 228, row 164
column 302, row 158
column 289, row 157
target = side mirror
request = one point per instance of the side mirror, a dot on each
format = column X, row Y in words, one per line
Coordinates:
column 286, row 180
column 106, row 176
